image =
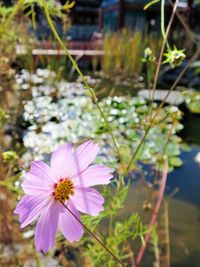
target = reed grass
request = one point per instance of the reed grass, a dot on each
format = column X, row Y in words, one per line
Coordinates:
column 124, row 51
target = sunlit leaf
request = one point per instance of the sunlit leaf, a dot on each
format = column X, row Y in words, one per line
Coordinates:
column 175, row 161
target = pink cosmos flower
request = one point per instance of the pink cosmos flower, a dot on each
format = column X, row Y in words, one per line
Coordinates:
column 68, row 179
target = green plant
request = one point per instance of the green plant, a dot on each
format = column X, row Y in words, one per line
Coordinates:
column 192, row 100
column 124, row 51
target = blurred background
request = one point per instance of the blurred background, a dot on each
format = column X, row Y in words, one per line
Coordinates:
column 43, row 102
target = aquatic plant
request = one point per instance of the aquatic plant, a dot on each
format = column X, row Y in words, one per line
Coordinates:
column 46, row 117
column 192, row 99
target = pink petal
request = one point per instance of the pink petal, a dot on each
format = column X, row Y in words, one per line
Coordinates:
column 61, row 161
column 87, row 200
column 30, row 207
column 83, row 156
column 45, row 230
column 41, row 171
column 34, row 186
column 69, row 226
column 93, row 175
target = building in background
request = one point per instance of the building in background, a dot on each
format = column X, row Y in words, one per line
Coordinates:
column 84, row 20
column 117, row 14
column 90, row 19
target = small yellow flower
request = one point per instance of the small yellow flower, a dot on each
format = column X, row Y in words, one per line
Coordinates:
column 174, row 57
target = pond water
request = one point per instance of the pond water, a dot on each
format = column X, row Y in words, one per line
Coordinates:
column 184, row 212
column 184, row 208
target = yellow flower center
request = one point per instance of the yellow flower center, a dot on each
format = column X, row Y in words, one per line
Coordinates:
column 63, row 190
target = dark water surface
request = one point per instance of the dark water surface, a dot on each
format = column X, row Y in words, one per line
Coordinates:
column 187, row 178
column 184, row 212
column 184, row 208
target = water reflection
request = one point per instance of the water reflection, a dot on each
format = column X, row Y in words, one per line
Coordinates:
column 187, row 178
column 184, row 212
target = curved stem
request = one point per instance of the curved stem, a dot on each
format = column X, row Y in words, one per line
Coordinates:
column 94, row 236
column 88, row 87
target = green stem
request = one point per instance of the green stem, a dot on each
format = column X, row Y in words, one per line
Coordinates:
column 88, row 87
column 5, row 26
column 95, row 236
column 115, row 198
column 148, row 83
column 111, row 224
column 33, row 17
column 194, row 57
column 154, row 88
column 163, row 22
column 162, row 49
column 133, row 158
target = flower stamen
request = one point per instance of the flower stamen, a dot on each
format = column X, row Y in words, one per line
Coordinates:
column 63, row 190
